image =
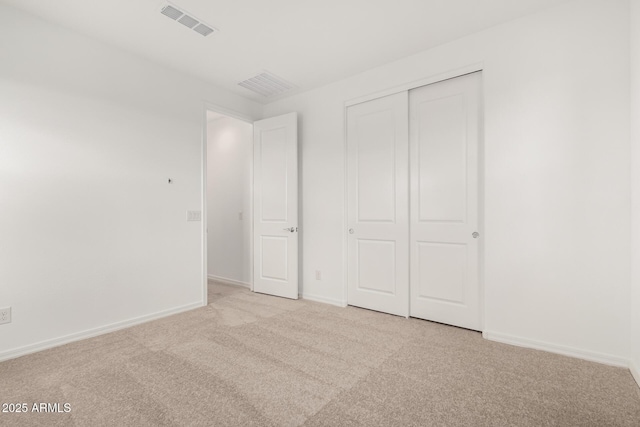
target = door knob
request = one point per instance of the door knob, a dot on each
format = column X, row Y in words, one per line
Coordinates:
column 351, row 231
column 291, row 229
column 475, row 234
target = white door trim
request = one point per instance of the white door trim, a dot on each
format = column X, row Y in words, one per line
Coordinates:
column 451, row 74
column 436, row 78
column 209, row 106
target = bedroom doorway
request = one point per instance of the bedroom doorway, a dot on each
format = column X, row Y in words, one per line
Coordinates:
column 250, row 182
column 228, row 199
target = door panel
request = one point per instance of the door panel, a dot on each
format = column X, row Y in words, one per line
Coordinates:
column 274, row 257
column 376, row 266
column 275, row 204
column 273, row 160
column 442, row 156
column 376, row 166
column 444, row 126
column 441, row 271
column 377, row 209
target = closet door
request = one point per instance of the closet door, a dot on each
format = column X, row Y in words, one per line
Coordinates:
column 444, row 123
column 377, row 207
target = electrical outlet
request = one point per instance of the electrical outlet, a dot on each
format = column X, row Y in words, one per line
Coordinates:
column 318, row 275
column 5, row 315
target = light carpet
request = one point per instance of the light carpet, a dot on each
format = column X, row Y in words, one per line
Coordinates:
column 254, row 360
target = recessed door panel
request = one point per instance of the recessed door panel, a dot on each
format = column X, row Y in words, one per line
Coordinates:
column 273, row 161
column 376, row 166
column 377, row 266
column 442, row 270
column 444, row 128
column 442, row 153
column 274, row 257
column 378, row 205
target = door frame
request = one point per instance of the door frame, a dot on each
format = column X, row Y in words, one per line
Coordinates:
column 208, row 106
column 436, row 78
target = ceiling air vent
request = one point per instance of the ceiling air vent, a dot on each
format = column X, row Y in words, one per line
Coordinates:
column 203, row 29
column 186, row 19
column 266, row 84
column 171, row 12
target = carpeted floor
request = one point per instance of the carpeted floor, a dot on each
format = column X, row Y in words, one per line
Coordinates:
column 254, row 360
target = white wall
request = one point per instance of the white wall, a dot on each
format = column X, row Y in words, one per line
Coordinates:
column 92, row 235
column 635, row 168
column 228, row 194
column 556, row 192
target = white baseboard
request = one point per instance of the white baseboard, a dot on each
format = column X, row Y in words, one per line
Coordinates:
column 635, row 371
column 90, row 333
column 591, row 356
column 324, row 300
column 229, row 281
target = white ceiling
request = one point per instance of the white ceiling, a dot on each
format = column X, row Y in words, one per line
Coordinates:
column 306, row 42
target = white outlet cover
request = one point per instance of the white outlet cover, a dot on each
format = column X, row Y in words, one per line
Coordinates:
column 5, row 315
column 194, row 215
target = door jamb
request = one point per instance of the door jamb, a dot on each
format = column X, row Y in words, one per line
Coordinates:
column 208, row 106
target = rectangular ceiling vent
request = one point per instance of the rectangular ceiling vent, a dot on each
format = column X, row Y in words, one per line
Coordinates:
column 267, row 84
column 187, row 19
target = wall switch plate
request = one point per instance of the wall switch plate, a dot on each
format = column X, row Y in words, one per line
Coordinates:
column 194, row 215
column 5, row 315
column 318, row 275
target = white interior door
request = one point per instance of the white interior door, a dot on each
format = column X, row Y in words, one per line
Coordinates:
column 444, row 126
column 378, row 206
column 275, row 205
